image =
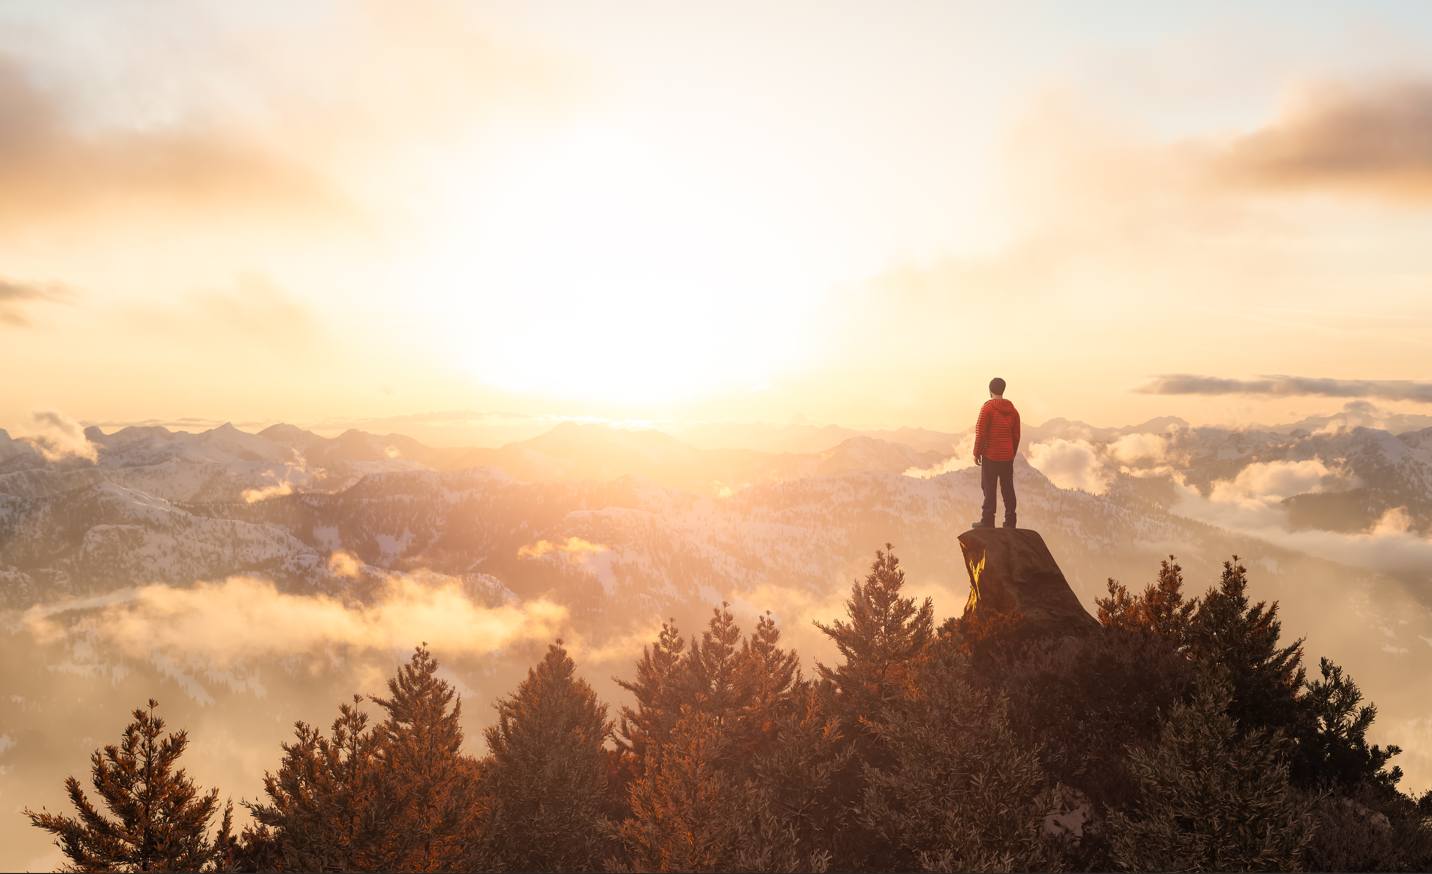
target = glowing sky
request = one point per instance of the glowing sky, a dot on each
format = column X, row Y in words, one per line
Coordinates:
column 736, row 211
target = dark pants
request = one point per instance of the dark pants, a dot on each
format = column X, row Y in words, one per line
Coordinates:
column 1003, row 472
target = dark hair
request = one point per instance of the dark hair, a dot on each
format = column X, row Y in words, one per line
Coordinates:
column 996, row 385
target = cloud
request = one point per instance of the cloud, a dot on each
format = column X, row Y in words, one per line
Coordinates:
column 962, row 458
column 50, row 165
column 575, row 548
column 59, row 437
column 243, row 617
column 1140, row 449
column 1287, row 386
column 1387, row 545
column 1373, row 139
column 344, row 564
column 15, row 295
column 1071, row 464
column 1264, row 483
column 284, row 120
column 253, row 496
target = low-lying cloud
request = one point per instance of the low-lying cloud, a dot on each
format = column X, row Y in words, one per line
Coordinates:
column 253, row 496
column 243, row 617
column 1071, row 464
column 574, row 548
column 1251, row 504
column 58, row 437
column 962, row 458
column 1265, row 483
column 1287, row 386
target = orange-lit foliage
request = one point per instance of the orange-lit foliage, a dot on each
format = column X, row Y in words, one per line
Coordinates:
column 987, row 635
column 161, row 821
column 398, row 796
column 1160, row 610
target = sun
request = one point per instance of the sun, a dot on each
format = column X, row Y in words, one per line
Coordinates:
column 602, row 270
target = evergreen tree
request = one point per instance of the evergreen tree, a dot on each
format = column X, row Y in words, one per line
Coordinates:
column 1160, row 610
column 711, row 680
column 434, row 786
column 784, row 817
column 769, row 677
column 545, row 777
column 962, row 792
column 679, row 807
column 885, row 637
column 743, row 683
column 1212, row 800
column 1226, row 632
column 331, row 806
column 1335, row 749
column 1082, row 701
column 161, row 821
column 658, row 690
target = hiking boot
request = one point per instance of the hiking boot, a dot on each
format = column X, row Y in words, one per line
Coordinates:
column 983, row 524
column 1009, row 523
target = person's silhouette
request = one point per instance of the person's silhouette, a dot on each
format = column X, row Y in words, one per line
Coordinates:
column 996, row 440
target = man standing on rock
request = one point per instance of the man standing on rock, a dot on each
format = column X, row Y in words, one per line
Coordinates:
column 996, row 439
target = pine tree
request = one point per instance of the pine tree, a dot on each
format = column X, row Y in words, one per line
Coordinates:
column 330, row 804
column 1335, row 749
column 743, row 683
column 161, row 821
column 1212, row 800
column 885, row 637
column 545, row 777
column 1228, row 633
column 785, row 817
column 658, row 690
column 769, row 677
column 960, row 791
column 680, row 804
column 712, row 681
column 435, row 786
column 732, row 698
column 1160, row 610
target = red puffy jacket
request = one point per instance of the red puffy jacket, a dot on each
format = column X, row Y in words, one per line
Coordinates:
column 997, row 430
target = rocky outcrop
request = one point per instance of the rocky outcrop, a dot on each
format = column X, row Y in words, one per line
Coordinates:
column 1011, row 571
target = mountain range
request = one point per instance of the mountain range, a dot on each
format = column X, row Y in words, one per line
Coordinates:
column 622, row 529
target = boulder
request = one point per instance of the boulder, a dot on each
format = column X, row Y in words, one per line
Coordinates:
column 1011, row 571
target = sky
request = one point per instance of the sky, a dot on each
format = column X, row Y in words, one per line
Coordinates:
column 326, row 212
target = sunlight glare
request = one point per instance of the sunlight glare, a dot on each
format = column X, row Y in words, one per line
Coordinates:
column 605, row 272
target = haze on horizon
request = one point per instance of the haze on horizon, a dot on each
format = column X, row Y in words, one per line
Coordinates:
column 341, row 212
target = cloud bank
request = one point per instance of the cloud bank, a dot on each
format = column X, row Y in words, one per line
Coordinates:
column 1287, row 386
column 243, row 617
